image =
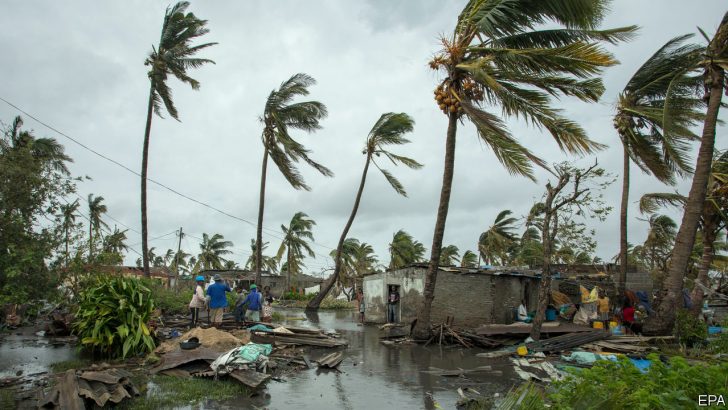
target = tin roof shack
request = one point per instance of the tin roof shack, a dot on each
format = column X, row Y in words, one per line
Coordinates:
column 472, row 296
column 161, row 274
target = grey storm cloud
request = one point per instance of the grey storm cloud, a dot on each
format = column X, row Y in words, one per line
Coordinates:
column 78, row 66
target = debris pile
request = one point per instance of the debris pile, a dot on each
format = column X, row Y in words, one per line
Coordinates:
column 211, row 338
column 98, row 388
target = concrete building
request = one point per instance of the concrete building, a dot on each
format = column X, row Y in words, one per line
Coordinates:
column 161, row 274
column 472, row 296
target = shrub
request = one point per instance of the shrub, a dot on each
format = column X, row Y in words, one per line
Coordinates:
column 620, row 385
column 168, row 300
column 298, row 296
column 689, row 330
column 112, row 317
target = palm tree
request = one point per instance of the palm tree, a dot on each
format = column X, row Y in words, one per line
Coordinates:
column 172, row 57
column 270, row 263
column 500, row 53
column 230, row 265
column 364, row 259
column 295, row 244
column 95, row 210
column 46, row 149
column 469, row 260
column 212, row 250
column 659, row 241
column 493, row 244
column 449, row 255
column 114, row 243
column 655, row 111
column 348, row 259
column 180, row 262
column 280, row 115
column 404, row 250
column 68, row 215
column 389, row 130
column 714, row 65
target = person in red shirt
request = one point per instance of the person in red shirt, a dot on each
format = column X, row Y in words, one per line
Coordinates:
column 628, row 317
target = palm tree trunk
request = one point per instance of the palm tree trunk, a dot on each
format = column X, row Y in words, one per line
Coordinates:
column 259, row 231
column 288, row 259
column 623, row 228
column 671, row 295
column 422, row 329
column 145, row 161
column 316, row 302
column 90, row 240
column 709, row 234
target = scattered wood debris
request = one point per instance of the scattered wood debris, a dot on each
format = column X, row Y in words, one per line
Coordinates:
column 331, row 360
column 567, row 341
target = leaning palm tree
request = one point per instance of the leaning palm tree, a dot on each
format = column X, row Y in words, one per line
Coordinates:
column 348, row 259
column 404, row 250
column 68, row 218
column 469, row 260
column 212, row 250
column 280, row 116
column 502, row 55
column 172, row 57
column 95, row 210
column 449, row 255
column 389, row 130
column 270, row 263
column 655, row 112
column 714, row 65
column 295, row 244
column 494, row 243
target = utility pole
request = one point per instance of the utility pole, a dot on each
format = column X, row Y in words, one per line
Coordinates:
column 176, row 258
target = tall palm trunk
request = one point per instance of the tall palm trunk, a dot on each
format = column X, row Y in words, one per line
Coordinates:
column 288, row 260
column 90, row 240
column 259, row 231
column 316, row 302
column 422, row 329
column 709, row 235
column 145, row 160
column 623, row 228
column 671, row 296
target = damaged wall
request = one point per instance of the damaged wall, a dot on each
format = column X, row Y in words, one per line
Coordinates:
column 471, row 298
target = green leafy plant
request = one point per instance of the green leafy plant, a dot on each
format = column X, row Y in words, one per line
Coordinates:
column 620, row 385
column 688, row 329
column 112, row 317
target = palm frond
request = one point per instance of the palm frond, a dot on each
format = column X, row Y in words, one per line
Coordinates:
column 652, row 202
column 393, row 181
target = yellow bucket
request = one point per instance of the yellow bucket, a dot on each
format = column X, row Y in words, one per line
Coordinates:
column 613, row 324
column 522, row 350
column 598, row 325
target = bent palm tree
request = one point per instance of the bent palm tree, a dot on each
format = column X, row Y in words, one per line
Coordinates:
column 95, row 210
column 212, row 250
column 172, row 57
column 654, row 114
column 389, row 130
column 404, row 250
column 501, row 55
column 270, row 263
column 280, row 116
column 295, row 243
column 494, row 243
column 714, row 64
column 469, row 260
column 449, row 255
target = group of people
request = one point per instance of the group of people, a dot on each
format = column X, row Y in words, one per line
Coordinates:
column 247, row 306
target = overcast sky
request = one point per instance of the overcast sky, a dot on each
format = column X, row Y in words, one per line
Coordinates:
column 78, row 66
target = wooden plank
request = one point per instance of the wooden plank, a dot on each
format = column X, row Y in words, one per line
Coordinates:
column 249, row 378
column 522, row 329
column 261, row 337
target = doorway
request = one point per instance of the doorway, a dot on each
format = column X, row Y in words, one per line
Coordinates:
column 394, row 304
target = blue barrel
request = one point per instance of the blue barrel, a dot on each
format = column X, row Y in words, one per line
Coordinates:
column 550, row 315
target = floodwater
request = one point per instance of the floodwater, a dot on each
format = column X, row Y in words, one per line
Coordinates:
column 371, row 376
column 377, row 376
column 28, row 355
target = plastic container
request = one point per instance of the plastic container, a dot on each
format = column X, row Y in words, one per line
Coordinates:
column 613, row 324
column 550, row 315
column 598, row 325
column 522, row 350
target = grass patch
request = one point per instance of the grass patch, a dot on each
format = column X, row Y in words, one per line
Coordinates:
column 60, row 367
column 169, row 392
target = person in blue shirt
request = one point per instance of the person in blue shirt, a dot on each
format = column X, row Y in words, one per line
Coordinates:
column 254, row 302
column 218, row 300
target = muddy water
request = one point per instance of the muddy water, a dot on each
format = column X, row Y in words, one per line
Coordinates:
column 29, row 355
column 376, row 376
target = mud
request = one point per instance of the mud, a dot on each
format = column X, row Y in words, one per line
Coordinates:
column 29, row 355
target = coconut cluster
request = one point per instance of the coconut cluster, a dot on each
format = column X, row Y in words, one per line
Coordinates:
column 449, row 100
